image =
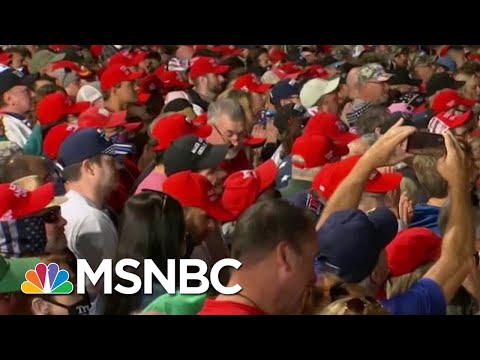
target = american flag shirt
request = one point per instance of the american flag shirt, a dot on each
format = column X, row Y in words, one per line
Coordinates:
column 22, row 237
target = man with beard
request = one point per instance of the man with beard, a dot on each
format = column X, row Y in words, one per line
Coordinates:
column 227, row 118
column 372, row 89
column 206, row 76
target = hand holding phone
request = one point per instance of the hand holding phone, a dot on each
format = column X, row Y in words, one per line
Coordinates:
column 426, row 143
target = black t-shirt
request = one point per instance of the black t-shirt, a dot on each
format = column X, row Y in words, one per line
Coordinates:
column 196, row 99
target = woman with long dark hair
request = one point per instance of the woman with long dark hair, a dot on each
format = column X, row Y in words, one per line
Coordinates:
column 152, row 227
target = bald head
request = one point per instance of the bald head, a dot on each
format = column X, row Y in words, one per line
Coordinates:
column 352, row 83
column 184, row 52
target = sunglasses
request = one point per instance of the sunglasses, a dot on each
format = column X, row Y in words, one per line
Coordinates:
column 356, row 305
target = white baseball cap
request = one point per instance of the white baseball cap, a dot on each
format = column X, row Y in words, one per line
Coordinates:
column 316, row 88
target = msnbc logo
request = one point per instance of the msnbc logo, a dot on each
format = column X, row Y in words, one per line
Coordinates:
column 47, row 280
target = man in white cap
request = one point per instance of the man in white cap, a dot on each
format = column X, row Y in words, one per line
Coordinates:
column 319, row 95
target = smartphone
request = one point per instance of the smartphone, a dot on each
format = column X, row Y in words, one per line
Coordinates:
column 264, row 116
column 426, row 143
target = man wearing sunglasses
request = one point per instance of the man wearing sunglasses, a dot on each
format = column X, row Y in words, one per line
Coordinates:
column 22, row 211
column 50, row 216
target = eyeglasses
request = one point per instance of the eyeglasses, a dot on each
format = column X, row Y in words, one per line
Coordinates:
column 51, row 215
column 227, row 138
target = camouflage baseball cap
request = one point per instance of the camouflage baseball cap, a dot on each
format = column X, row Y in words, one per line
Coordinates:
column 372, row 72
column 398, row 49
column 422, row 60
column 341, row 52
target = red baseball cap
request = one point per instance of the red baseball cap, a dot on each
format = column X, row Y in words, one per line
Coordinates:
column 62, row 47
column 171, row 127
column 289, row 70
column 101, row 118
column 55, row 138
column 82, row 71
column 329, row 125
column 115, row 74
column 250, row 83
column 276, row 55
column 316, row 150
column 254, row 142
column 412, row 248
column 54, row 106
column 242, row 188
column 331, row 175
column 148, row 85
column 5, row 58
column 171, row 79
column 316, row 71
column 227, row 50
column 449, row 119
column 448, row 99
column 128, row 58
column 203, row 65
column 194, row 190
column 16, row 202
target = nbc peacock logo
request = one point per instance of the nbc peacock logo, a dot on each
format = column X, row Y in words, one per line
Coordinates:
column 49, row 280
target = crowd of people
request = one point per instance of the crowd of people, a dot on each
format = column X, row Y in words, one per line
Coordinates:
column 293, row 160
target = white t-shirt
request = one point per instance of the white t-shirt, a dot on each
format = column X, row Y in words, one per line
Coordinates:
column 90, row 233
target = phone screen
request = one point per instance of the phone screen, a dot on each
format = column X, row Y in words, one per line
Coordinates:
column 426, row 143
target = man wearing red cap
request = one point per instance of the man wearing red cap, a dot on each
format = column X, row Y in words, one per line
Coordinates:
column 206, row 75
column 378, row 184
column 164, row 132
column 439, row 285
column 118, row 87
column 309, row 155
column 54, row 109
column 203, row 209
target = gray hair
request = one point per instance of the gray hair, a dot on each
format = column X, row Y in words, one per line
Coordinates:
column 229, row 107
column 370, row 138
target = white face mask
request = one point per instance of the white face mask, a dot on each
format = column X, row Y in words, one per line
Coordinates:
column 232, row 153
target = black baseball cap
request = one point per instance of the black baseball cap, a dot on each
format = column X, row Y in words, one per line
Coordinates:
column 442, row 81
column 10, row 79
column 191, row 152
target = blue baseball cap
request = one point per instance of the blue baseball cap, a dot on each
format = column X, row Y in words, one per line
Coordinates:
column 350, row 242
column 87, row 143
column 285, row 89
column 447, row 62
column 306, row 200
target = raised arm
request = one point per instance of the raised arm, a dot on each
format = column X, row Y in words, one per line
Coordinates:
column 385, row 152
column 458, row 244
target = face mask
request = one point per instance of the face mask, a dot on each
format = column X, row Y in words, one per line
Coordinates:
column 80, row 308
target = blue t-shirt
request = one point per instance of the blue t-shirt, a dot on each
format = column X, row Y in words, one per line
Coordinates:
column 425, row 297
column 426, row 216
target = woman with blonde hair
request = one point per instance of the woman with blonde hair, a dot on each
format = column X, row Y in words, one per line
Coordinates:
column 351, row 305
